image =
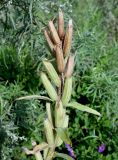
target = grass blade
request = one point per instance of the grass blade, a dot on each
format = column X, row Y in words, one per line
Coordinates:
column 33, row 97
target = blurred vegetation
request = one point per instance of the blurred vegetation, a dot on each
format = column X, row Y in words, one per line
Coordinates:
column 22, row 47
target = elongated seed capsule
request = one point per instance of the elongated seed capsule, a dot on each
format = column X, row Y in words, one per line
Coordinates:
column 67, row 91
column 69, row 66
column 48, row 86
column 59, row 114
column 54, row 33
column 68, row 39
column 59, row 59
column 49, row 113
column 50, row 43
column 52, row 73
column 49, row 132
column 61, row 25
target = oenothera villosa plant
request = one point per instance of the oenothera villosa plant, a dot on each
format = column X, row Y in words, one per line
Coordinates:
column 57, row 81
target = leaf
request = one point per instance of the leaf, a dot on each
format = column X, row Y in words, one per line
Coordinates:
column 34, row 97
column 62, row 155
column 63, row 134
column 83, row 108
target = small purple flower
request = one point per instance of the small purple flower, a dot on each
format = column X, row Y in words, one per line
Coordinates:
column 70, row 150
column 101, row 148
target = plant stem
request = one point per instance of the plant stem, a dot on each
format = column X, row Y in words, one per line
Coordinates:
column 38, row 156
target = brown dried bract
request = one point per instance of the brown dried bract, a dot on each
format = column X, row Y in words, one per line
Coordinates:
column 68, row 39
column 54, row 33
column 59, row 59
column 48, row 38
column 61, row 25
column 69, row 66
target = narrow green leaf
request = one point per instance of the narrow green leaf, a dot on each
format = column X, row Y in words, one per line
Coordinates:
column 63, row 134
column 62, row 155
column 34, row 97
column 83, row 108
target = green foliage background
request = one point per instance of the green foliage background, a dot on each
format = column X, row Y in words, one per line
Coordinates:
column 22, row 47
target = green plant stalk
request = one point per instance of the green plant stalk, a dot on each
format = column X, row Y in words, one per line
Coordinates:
column 45, row 152
column 38, row 156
